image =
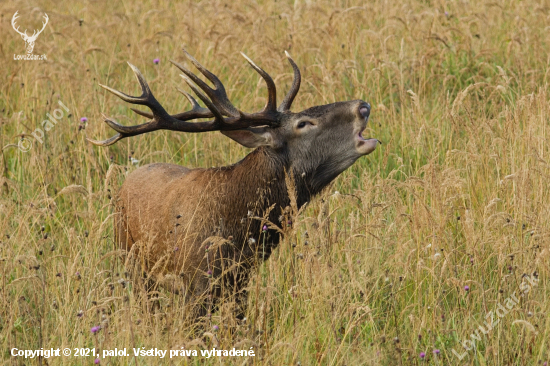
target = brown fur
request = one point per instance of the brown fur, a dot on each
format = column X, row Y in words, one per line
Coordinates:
column 203, row 202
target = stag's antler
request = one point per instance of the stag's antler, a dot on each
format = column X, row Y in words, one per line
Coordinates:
column 13, row 19
column 25, row 35
column 216, row 101
column 289, row 98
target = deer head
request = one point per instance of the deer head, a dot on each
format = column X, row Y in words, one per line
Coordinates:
column 317, row 143
column 29, row 40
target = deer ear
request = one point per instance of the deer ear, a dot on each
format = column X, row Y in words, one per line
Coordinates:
column 252, row 137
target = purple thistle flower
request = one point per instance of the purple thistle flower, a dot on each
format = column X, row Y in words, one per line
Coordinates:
column 96, row 361
column 264, row 228
column 156, row 61
column 209, row 272
column 84, row 120
column 95, row 329
column 466, row 288
column 216, row 328
column 422, row 355
column 436, row 352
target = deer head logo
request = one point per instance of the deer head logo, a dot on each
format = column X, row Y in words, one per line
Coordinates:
column 29, row 40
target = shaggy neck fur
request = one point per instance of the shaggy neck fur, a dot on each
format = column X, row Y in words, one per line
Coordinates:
column 246, row 192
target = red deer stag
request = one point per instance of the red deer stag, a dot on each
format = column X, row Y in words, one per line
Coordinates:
column 169, row 216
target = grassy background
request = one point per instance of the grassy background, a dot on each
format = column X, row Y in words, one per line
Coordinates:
column 375, row 274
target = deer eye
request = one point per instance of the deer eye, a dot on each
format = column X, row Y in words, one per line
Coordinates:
column 302, row 124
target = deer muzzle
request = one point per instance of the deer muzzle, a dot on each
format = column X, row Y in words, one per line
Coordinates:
column 364, row 145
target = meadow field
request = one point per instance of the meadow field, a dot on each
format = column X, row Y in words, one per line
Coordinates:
column 433, row 250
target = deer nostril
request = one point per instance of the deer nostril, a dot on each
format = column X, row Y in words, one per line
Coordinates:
column 365, row 110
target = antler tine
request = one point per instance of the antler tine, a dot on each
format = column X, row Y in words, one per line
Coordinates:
column 191, row 100
column 289, row 98
column 122, row 133
column 218, row 95
column 44, row 24
column 107, row 142
column 121, row 95
column 126, row 130
column 128, row 98
column 201, row 84
column 271, row 104
column 146, row 98
column 197, row 110
column 13, row 19
column 142, row 113
column 217, row 114
column 210, row 76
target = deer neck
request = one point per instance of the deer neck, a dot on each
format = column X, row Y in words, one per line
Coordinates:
column 260, row 178
column 254, row 188
column 262, row 174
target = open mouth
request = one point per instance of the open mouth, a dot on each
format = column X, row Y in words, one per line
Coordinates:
column 365, row 144
column 365, row 113
column 362, row 140
column 360, row 134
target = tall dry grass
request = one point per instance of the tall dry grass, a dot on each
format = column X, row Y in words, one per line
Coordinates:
column 373, row 274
